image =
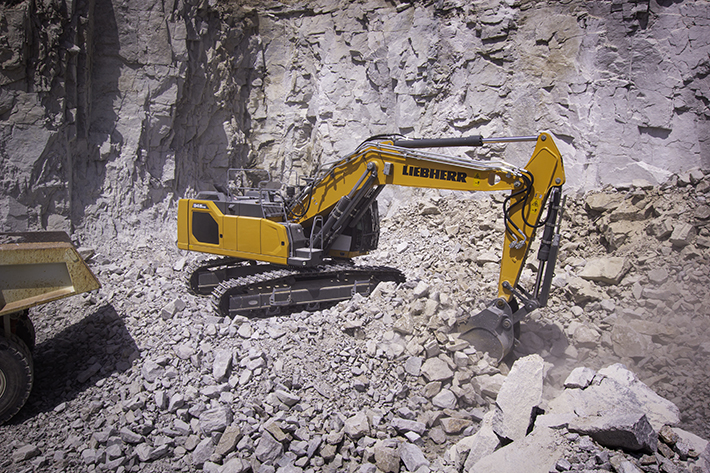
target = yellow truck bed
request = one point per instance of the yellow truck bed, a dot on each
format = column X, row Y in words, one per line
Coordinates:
column 39, row 267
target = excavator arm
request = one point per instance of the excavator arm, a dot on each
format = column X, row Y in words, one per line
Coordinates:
column 348, row 186
column 339, row 195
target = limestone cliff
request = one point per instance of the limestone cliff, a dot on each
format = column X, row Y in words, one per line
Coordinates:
column 112, row 109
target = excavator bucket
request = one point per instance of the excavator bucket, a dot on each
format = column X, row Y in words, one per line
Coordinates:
column 39, row 267
column 491, row 330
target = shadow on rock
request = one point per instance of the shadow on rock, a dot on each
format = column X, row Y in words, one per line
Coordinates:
column 77, row 358
column 536, row 337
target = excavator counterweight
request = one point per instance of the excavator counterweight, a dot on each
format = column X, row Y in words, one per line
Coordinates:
column 289, row 251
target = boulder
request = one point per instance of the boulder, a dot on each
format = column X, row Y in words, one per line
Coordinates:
column 519, row 395
column 222, row 364
column 229, row 439
column 413, row 365
column 583, row 291
column 698, row 444
column 627, row 211
column 406, row 425
column 702, row 212
column 603, row 201
column 616, row 388
column 151, row 371
column 489, row 385
column 387, row 458
column 682, row 235
column 586, row 336
column 25, row 452
column 481, row 444
column 580, row 377
column 628, row 343
column 268, row 449
column 215, row 420
column 287, row 397
column 618, row 429
column 202, row 452
column 658, row 275
column 412, row 456
column 537, row 452
column 454, row 425
column 436, row 369
column 609, row 270
column 357, row 425
column 445, row 399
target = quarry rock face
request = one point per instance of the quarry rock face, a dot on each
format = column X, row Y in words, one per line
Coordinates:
column 110, row 109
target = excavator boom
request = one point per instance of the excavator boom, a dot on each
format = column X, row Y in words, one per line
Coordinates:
column 375, row 165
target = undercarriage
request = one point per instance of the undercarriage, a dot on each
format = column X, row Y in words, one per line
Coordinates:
column 249, row 289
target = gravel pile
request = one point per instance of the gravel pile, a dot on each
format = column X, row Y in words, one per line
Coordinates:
column 141, row 376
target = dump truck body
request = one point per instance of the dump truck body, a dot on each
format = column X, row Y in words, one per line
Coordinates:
column 35, row 268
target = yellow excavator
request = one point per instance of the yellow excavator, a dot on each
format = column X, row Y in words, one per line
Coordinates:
column 293, row 250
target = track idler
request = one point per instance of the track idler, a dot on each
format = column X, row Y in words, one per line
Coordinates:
column 491, row 330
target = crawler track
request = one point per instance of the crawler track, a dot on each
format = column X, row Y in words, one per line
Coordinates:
column 204, row 276
column 284, row 290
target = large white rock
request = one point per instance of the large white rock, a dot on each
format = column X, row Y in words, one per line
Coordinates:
column 580, row 377
column 436, row 369
column 357, row 425
column 616, row 388
column 445, row 399
column 520, row 394
column 535, row 453
column 481, row 444
column 609, row 270
column 625, row 429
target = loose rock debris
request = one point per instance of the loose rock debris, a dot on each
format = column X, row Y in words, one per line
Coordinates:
column 141, row 376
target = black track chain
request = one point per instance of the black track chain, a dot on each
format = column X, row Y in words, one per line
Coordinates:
column 221, row 294
column 196, row 267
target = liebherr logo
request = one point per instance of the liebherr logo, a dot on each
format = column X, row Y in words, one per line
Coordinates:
column 432, row 173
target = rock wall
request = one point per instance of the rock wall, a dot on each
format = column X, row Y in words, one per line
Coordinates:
column 110, row 110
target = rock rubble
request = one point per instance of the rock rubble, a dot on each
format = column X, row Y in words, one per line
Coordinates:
column 142, row 376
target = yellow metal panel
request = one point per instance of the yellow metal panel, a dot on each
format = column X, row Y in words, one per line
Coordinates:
column 547, row 167
column 230, row 233
column 240, row 237
column 274, row 239
column 35, row 270
column 183, row 235
column 412, row 172
column 249, row 235
column 407, row 170
column 26, row 281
